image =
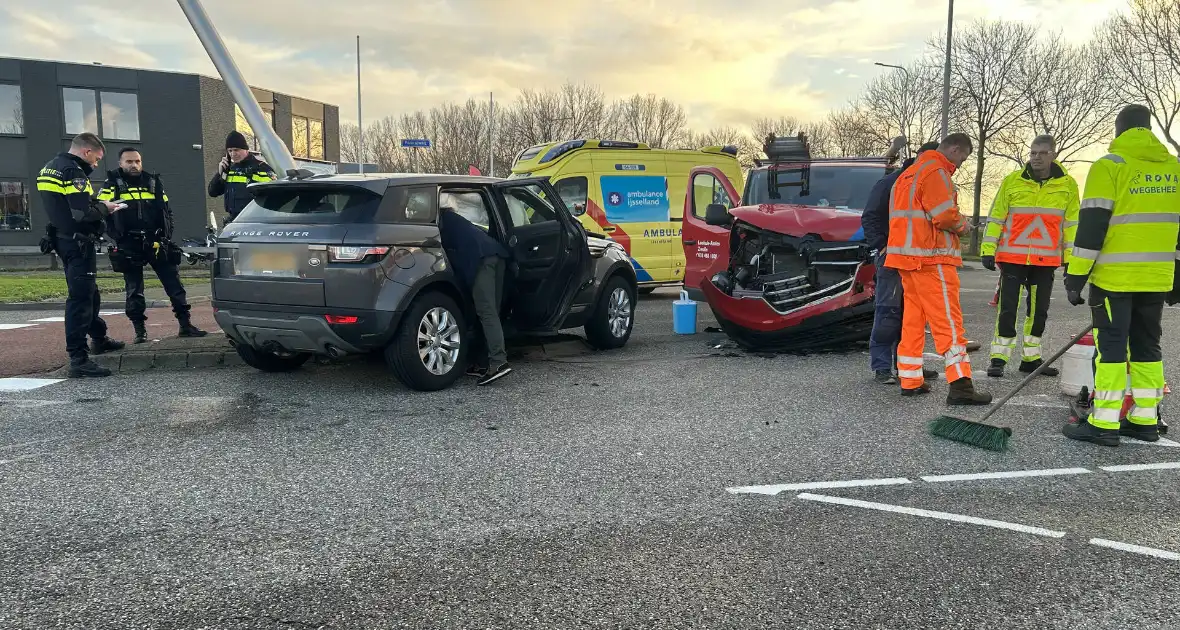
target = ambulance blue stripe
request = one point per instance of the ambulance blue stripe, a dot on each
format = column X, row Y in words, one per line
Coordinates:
column 641, row 274
column 859, row 236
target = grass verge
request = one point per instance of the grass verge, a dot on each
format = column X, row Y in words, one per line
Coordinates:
column 37, row 286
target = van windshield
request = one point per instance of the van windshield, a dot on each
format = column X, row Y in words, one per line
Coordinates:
column 318, row 205
column 832, row 185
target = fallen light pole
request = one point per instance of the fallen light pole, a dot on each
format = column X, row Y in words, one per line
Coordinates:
column 273, row 149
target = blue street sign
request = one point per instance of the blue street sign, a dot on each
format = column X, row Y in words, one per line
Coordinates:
column 415, row 143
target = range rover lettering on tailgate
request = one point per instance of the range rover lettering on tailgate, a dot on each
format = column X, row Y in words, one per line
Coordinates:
column 349, row 264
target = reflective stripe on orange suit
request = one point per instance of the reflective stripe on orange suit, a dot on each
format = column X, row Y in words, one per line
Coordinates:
column 924, row 229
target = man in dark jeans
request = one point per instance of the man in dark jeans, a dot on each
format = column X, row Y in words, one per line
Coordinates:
column 479, row 262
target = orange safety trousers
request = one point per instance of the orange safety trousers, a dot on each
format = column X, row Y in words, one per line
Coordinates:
column 930, row 296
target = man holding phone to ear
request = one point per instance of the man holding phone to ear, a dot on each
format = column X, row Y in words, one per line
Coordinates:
column 76, row 222
column 237, row 170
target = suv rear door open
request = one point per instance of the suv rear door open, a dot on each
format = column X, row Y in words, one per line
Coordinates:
column 549, row 249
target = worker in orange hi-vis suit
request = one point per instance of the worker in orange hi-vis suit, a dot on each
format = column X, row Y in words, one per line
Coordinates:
column 924, row 229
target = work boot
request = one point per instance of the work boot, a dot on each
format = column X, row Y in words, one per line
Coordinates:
column 1145, row 432
column 188, row 330
column 84, row 367
column 963, row 393
column 140, row 332
column 924, row 388
column 972, row 346
column 996, row 368
column 1086, row 432
column 929, row 373
column 1028, row 367
column 1163, row 427
column 884, row 377
column 104, row 345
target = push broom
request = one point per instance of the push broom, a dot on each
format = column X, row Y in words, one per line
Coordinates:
column 978, row 432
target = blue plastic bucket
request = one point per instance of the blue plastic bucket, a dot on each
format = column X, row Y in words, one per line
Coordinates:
column 684, row 315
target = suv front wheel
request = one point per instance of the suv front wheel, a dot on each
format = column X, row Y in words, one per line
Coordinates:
column 429, row 350
column 614, row 315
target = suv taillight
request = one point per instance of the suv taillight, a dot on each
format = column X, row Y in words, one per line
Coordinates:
column 349, row 254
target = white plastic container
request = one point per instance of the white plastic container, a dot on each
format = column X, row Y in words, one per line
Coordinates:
column 1077, row 367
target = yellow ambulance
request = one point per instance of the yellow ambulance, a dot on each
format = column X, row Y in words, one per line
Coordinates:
column 630, row 192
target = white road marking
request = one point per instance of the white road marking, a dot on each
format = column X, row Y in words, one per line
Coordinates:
column 32, row 403
column 1137, row 467
column 1043, row 401
column 15, row 326
column 17, row 384
column 817, row 485
column 1162, row 442
column 1147, row 551
column 942, row 516
column 20, row 458
column 1008, row 474
column 62, row 319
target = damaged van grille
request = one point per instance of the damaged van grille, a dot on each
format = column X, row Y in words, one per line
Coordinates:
column 791, row 272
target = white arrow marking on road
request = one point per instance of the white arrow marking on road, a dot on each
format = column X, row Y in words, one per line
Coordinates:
column 21, row 458
column 1136, row 467
column 15, row 326
column 62, row 319
column 942, row 516
column 817, row 485
column 17, row 384
column 1147, row 551
column 1048, row 472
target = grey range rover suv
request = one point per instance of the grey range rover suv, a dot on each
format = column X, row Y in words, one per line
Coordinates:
column 348, row 264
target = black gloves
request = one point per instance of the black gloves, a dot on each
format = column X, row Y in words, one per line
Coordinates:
column 989, row 263
column 1173, row 297
column 1073, row 289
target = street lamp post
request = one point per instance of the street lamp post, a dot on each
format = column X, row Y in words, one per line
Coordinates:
column 908, row 87
column 946, row 72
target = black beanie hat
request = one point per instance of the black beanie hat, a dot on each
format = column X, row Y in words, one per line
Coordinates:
column 236, row 140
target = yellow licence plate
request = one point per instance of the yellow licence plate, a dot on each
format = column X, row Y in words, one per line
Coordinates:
column 270, row 264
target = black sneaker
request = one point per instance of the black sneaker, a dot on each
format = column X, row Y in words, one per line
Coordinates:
column 1144, row 432
column 1163, row 427
column 1028, row 367
column 1086, row 432
column 924, row 388
column 973, row 346
column 188, row 330
column 140, row 332
column 104, row 345
column 929, row 373
column 495, row 374
column 884, row 377
column 87, row 368
column 476, row 370
column 995, row 369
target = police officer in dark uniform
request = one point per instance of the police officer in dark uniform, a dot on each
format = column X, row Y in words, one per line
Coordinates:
column 143, row 236
column 75, row 226
column 238, row 169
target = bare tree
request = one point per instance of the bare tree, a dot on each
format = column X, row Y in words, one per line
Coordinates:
column 1071, row 95
column 747, row 148
column 350, row 149
column 906, row 101
column 648, row 118
column 782, row 126
column 850, row 134
column 570, row 112
column 985, row 82
column 1144, row 48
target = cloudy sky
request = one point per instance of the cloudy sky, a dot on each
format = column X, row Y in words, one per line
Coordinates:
column 726, row 61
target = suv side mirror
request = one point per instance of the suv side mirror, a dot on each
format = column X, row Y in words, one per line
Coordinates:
column 717, row 214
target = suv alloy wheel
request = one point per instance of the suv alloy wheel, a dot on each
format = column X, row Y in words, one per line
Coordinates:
column 429, row 351
column 614, row 315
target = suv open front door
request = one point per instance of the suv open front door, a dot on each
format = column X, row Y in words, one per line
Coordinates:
column 549, row 251
column 706, row 247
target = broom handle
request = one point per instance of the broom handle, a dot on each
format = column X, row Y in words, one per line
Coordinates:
column 1037, row 372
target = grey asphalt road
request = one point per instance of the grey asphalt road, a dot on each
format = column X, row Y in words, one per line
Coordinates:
column 586, row 492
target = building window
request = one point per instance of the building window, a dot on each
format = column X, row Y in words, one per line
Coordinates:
column 80, row 111
column 120, row 116
column 299, row 136
column 243, row 127
column 316, row 139
column 14, row 206
column 12, row 117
